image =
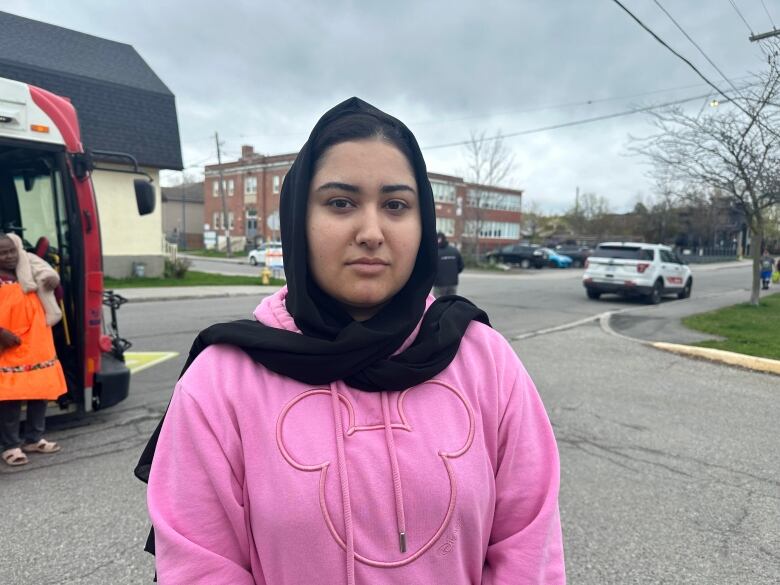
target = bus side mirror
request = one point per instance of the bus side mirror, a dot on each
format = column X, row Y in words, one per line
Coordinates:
column 144, row 196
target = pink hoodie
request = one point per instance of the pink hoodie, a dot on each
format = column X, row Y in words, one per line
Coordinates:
column 260, row 479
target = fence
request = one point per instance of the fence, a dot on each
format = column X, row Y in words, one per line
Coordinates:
column 707, row 254
column 170, row 250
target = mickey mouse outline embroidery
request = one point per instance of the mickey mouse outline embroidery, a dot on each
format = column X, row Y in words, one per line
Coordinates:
column 351, row 430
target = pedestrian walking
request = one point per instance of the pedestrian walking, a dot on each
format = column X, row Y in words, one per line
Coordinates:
column 450, row 265
column 766, row 265
column 29, row 368
column 356, row 431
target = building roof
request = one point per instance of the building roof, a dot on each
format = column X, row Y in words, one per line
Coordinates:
column 189, row 192
column 122, row 104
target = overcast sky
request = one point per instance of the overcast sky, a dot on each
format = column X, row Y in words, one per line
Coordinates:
column 263, row 72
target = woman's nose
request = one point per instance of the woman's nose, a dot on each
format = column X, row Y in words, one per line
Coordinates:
column 369, row 231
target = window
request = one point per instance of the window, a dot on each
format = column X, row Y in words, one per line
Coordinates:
column 494, row 229
column 231, row 220
column 623, row 252
column 228, row 185
column 216, row 220
column 667, row 256
column 445, row 225
column 493, row 200
column 443, row 192
column 250, row 186
column 277, row 181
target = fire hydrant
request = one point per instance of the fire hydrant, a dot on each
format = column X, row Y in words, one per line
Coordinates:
column 265, row 276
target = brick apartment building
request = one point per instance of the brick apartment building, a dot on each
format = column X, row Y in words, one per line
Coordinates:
column 253, row 185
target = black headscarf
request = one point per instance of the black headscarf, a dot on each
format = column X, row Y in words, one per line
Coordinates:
column 333, row 346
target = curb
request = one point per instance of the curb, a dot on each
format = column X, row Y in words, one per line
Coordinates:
column 213, row 259
column 190, row 297
column 729, row 358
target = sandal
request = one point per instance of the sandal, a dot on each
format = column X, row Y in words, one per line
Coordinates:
column 42, row 446
column 15, row 457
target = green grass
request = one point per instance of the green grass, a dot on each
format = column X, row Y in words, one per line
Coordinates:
column 192, row 278
column 748, row 329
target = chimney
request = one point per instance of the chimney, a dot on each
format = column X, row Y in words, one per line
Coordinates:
column 247, row 151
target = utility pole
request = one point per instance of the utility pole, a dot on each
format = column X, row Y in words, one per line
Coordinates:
column 183, row 243
column 225, row 217
column 766, row 35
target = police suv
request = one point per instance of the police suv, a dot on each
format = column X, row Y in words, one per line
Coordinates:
column 635, row 269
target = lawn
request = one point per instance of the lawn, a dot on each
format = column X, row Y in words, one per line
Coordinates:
column 748, row 329
column 191, row 278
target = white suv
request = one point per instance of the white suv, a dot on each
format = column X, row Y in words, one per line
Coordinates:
column 269, row 253
column 628, row 268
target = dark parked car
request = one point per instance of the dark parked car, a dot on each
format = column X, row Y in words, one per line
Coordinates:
column 578, row 254
column 522, row 255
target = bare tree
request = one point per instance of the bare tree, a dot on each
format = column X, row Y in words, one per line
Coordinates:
column 489, row 162
column 734, row 148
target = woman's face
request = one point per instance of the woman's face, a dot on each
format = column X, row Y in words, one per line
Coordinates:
column 363, row 224
column 8, row 254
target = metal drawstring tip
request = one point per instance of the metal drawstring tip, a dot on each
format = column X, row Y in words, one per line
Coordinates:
column 402, row 541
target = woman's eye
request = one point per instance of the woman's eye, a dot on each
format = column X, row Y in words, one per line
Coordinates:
column 396, row 205
column 340, row 203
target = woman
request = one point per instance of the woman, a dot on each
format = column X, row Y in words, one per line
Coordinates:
column 29, row 369
column 357, row 431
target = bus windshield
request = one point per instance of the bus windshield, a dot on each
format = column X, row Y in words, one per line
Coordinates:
column 32, row 198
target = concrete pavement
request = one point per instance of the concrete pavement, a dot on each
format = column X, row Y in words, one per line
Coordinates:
column 659, row 326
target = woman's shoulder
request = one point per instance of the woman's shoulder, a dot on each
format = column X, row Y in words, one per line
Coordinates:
column 216, row 370
column 485, row 354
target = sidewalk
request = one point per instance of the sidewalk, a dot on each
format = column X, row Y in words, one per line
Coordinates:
column 660, row 326
column 239, row 258
column 140, row 295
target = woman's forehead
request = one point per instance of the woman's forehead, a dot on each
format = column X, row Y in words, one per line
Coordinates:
column 364, row 157
column 7, row 243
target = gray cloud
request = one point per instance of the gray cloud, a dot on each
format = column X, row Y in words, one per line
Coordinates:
column 263, row 72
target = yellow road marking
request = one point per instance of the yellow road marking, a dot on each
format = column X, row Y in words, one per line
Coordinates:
column 137, row 361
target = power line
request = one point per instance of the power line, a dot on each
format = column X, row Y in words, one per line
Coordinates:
column 573, row 122
column 769, row 15
column 563, row 105
column 695, row 44
column 520, row 111
column 742, row 17
column 678, row 55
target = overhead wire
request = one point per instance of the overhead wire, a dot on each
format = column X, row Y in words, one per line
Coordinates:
column 769, row 15
column 687, row 62
column 739, row 12
column 695, row 44
column 576, row 122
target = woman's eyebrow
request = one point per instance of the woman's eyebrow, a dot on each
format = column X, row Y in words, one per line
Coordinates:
column 395, row 188
column 337, row 185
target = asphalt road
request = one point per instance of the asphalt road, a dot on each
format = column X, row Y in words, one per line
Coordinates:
column 670, row 466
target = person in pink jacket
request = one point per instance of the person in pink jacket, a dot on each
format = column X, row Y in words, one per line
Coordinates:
column 356, row 431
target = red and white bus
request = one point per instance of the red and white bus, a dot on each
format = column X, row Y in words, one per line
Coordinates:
column 47, row 198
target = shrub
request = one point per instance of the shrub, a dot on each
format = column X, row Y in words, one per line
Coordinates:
column 176, row 268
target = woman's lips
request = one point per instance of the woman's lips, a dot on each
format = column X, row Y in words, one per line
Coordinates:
column 368, row 266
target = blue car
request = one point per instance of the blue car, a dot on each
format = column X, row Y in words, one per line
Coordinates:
column 555, row 259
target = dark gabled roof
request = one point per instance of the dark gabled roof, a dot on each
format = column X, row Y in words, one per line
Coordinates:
column 190, row 192
column 122, row 104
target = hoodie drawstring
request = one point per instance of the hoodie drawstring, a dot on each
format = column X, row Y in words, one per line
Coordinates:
column 345, row 503
column 397, row 491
